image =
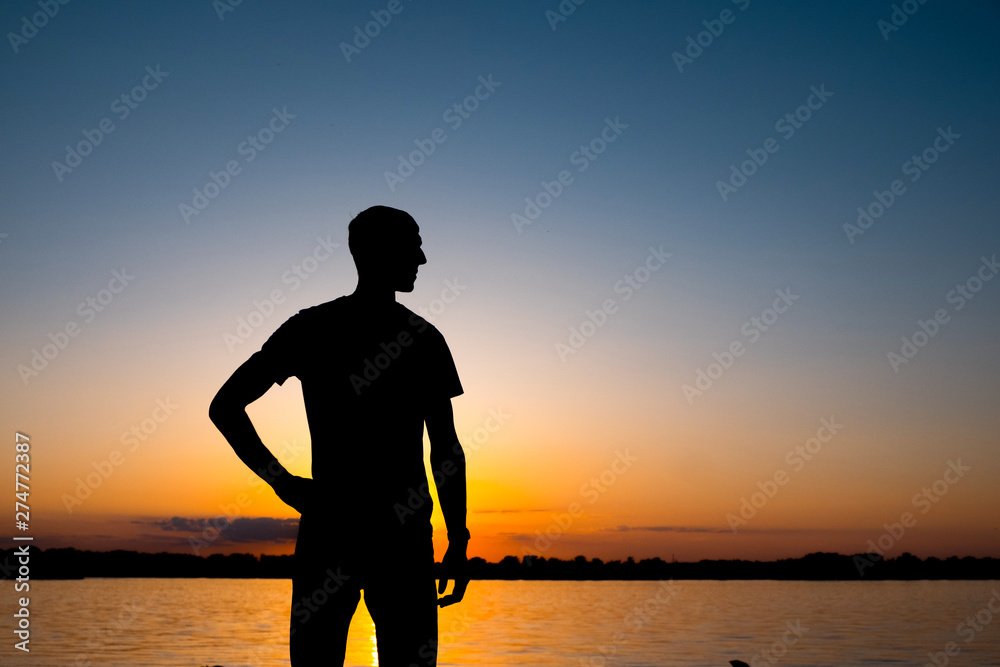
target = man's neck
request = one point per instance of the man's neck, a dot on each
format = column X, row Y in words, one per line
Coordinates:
column 374, row 294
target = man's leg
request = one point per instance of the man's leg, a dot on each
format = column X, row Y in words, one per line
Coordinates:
column 405, row 614
column 402, row 600
column 324, row 597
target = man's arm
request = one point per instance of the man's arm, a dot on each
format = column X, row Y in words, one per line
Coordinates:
column 228, row 413
column 448, row 468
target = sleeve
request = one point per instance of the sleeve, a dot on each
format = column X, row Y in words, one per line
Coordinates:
column 282, row 352
column 442, row 376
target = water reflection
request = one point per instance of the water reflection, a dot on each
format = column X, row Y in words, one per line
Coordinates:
column 542, row 624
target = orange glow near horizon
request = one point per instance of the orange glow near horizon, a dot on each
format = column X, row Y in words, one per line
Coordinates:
column 639, row 500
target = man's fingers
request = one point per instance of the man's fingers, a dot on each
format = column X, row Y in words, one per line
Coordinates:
column 447, row 600
column 456, row 595
column 442, row 586
column 297, row 492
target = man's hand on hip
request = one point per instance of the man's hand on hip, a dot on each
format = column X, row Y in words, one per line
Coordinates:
column 299, row 492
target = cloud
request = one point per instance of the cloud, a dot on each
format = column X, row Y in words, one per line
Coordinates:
column 179, row 523
column 263, row 529
column 519, row 537
column 238, row 530
column 708, row 529
column 665, row 529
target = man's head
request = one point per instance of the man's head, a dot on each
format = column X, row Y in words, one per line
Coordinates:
column 385, row 243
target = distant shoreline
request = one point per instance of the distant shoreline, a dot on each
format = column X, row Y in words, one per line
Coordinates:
column 70, row 563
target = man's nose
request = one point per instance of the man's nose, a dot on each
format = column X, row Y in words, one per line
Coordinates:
column 421, row 258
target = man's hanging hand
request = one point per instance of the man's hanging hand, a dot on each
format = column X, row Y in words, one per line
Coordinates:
column 455, row 564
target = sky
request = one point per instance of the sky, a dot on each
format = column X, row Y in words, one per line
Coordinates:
column 717, row 276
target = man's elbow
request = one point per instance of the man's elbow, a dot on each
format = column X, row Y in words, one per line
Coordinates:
column 215, row 411
column 219, row 410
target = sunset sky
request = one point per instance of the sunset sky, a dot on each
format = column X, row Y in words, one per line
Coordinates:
column 660, row 297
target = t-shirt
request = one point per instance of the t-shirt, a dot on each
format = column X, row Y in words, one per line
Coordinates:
column 368, row 374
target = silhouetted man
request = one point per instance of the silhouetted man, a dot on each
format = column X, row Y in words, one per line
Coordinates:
column 373, row 373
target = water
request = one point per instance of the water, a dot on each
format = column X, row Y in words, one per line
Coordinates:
column 230, row 622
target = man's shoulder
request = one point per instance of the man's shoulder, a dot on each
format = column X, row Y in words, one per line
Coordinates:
column 418, row 324
column 320, row 311
column 308, row 319
column 346, row 311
